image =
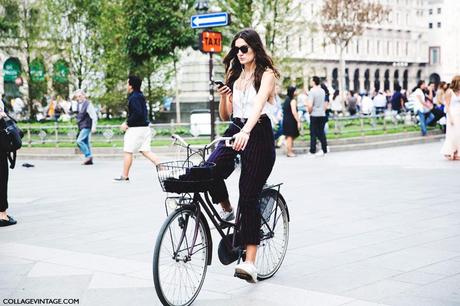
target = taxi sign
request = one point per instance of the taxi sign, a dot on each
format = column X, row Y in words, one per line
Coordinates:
column 211, row 42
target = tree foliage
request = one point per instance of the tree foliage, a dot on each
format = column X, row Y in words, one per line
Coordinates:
column 272, row 17
column 75, row 27
column 9, row 21
column 155, row 28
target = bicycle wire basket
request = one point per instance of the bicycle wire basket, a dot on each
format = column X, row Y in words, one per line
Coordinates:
column 181, row 176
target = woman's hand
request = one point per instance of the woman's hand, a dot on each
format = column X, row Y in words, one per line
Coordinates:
column 241, row 140
column 224, row 91
column 2, row 114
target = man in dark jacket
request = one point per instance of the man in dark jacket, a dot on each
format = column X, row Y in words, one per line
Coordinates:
column 138, row 135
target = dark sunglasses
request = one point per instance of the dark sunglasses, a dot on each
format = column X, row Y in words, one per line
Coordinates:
column 244, row 49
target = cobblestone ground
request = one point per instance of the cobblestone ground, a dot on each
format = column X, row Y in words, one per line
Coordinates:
column 377, row 227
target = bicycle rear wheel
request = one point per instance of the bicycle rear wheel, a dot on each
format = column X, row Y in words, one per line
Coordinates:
column 179, row 268
column 274, row 232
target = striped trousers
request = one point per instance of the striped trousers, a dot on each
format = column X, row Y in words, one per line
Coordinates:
column 257, row 162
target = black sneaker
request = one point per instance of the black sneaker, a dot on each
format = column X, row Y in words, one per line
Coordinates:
column 8, row 222
column 88, row 161
column 121, row 179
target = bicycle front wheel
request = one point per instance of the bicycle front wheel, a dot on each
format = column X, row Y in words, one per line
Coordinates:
column 274, row 233
column 179, row 263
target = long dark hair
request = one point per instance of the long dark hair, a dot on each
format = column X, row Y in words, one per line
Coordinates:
column 290, row 92
column 233, row 67
column 419, row 85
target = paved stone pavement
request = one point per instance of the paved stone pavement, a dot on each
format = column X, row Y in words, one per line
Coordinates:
column 377, row 227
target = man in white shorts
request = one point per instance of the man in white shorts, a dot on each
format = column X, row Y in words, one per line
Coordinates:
column 137, row 131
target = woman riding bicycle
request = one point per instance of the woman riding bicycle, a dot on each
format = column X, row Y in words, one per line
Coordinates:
column 250, row 84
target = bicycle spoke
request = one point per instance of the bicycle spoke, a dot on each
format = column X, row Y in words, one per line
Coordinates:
column 274, row 229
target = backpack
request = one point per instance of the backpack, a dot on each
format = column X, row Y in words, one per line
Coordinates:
column 10, row 139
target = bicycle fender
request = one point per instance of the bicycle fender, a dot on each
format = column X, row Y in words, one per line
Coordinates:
column 270, row 190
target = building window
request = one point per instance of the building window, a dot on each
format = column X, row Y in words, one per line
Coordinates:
column 439, row 10
column 378, row 47
column 439, row 25
column 300, row 43
column 388, row 48
column 357, row 47
column 430, row 11
column 287, row 43
column 407, row 48
column 430, row 25
column 435, row 53
column 368, row 46
column 312, row 45
column 397, row 48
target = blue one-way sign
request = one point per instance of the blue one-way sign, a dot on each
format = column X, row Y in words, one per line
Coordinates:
column 210, row 20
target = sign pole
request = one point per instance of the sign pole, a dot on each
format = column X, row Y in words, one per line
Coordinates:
column 210, row 42
column 211, row 98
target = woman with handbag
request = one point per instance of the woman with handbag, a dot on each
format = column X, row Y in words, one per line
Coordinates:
column 5, row 220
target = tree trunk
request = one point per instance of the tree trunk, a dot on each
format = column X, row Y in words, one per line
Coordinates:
column 341, row 76
column 178, row 119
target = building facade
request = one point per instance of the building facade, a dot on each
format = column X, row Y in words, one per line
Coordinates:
column 444, row 37
column 391, row 53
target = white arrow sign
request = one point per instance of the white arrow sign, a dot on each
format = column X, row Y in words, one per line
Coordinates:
column 209, row 20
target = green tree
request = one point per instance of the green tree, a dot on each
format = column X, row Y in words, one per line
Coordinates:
column 23, row 26
column 9, row 17
column 114, row 62
column 155, row 29
column 74, row 23
column 272, row 16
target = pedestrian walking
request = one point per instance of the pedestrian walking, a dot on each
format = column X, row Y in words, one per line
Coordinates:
column 5, row 219
column 421, row 107
column 250, row 84
column 316, row 106
column 291, row 120
column 451, row 147
column 138, row 135
column 276, row 117
column 87, row 122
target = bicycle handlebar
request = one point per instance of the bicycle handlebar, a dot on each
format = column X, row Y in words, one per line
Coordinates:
column 187, row 145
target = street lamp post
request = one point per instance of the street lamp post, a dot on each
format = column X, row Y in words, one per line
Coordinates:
column 202, row 6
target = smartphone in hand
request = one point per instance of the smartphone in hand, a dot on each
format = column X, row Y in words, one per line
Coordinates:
column 221, row 84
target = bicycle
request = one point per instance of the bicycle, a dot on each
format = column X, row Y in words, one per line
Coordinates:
column 183, row 248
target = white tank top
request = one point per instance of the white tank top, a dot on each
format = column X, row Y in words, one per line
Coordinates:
column 243, row 102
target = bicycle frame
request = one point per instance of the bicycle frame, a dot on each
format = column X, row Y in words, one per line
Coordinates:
column 199, row 202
